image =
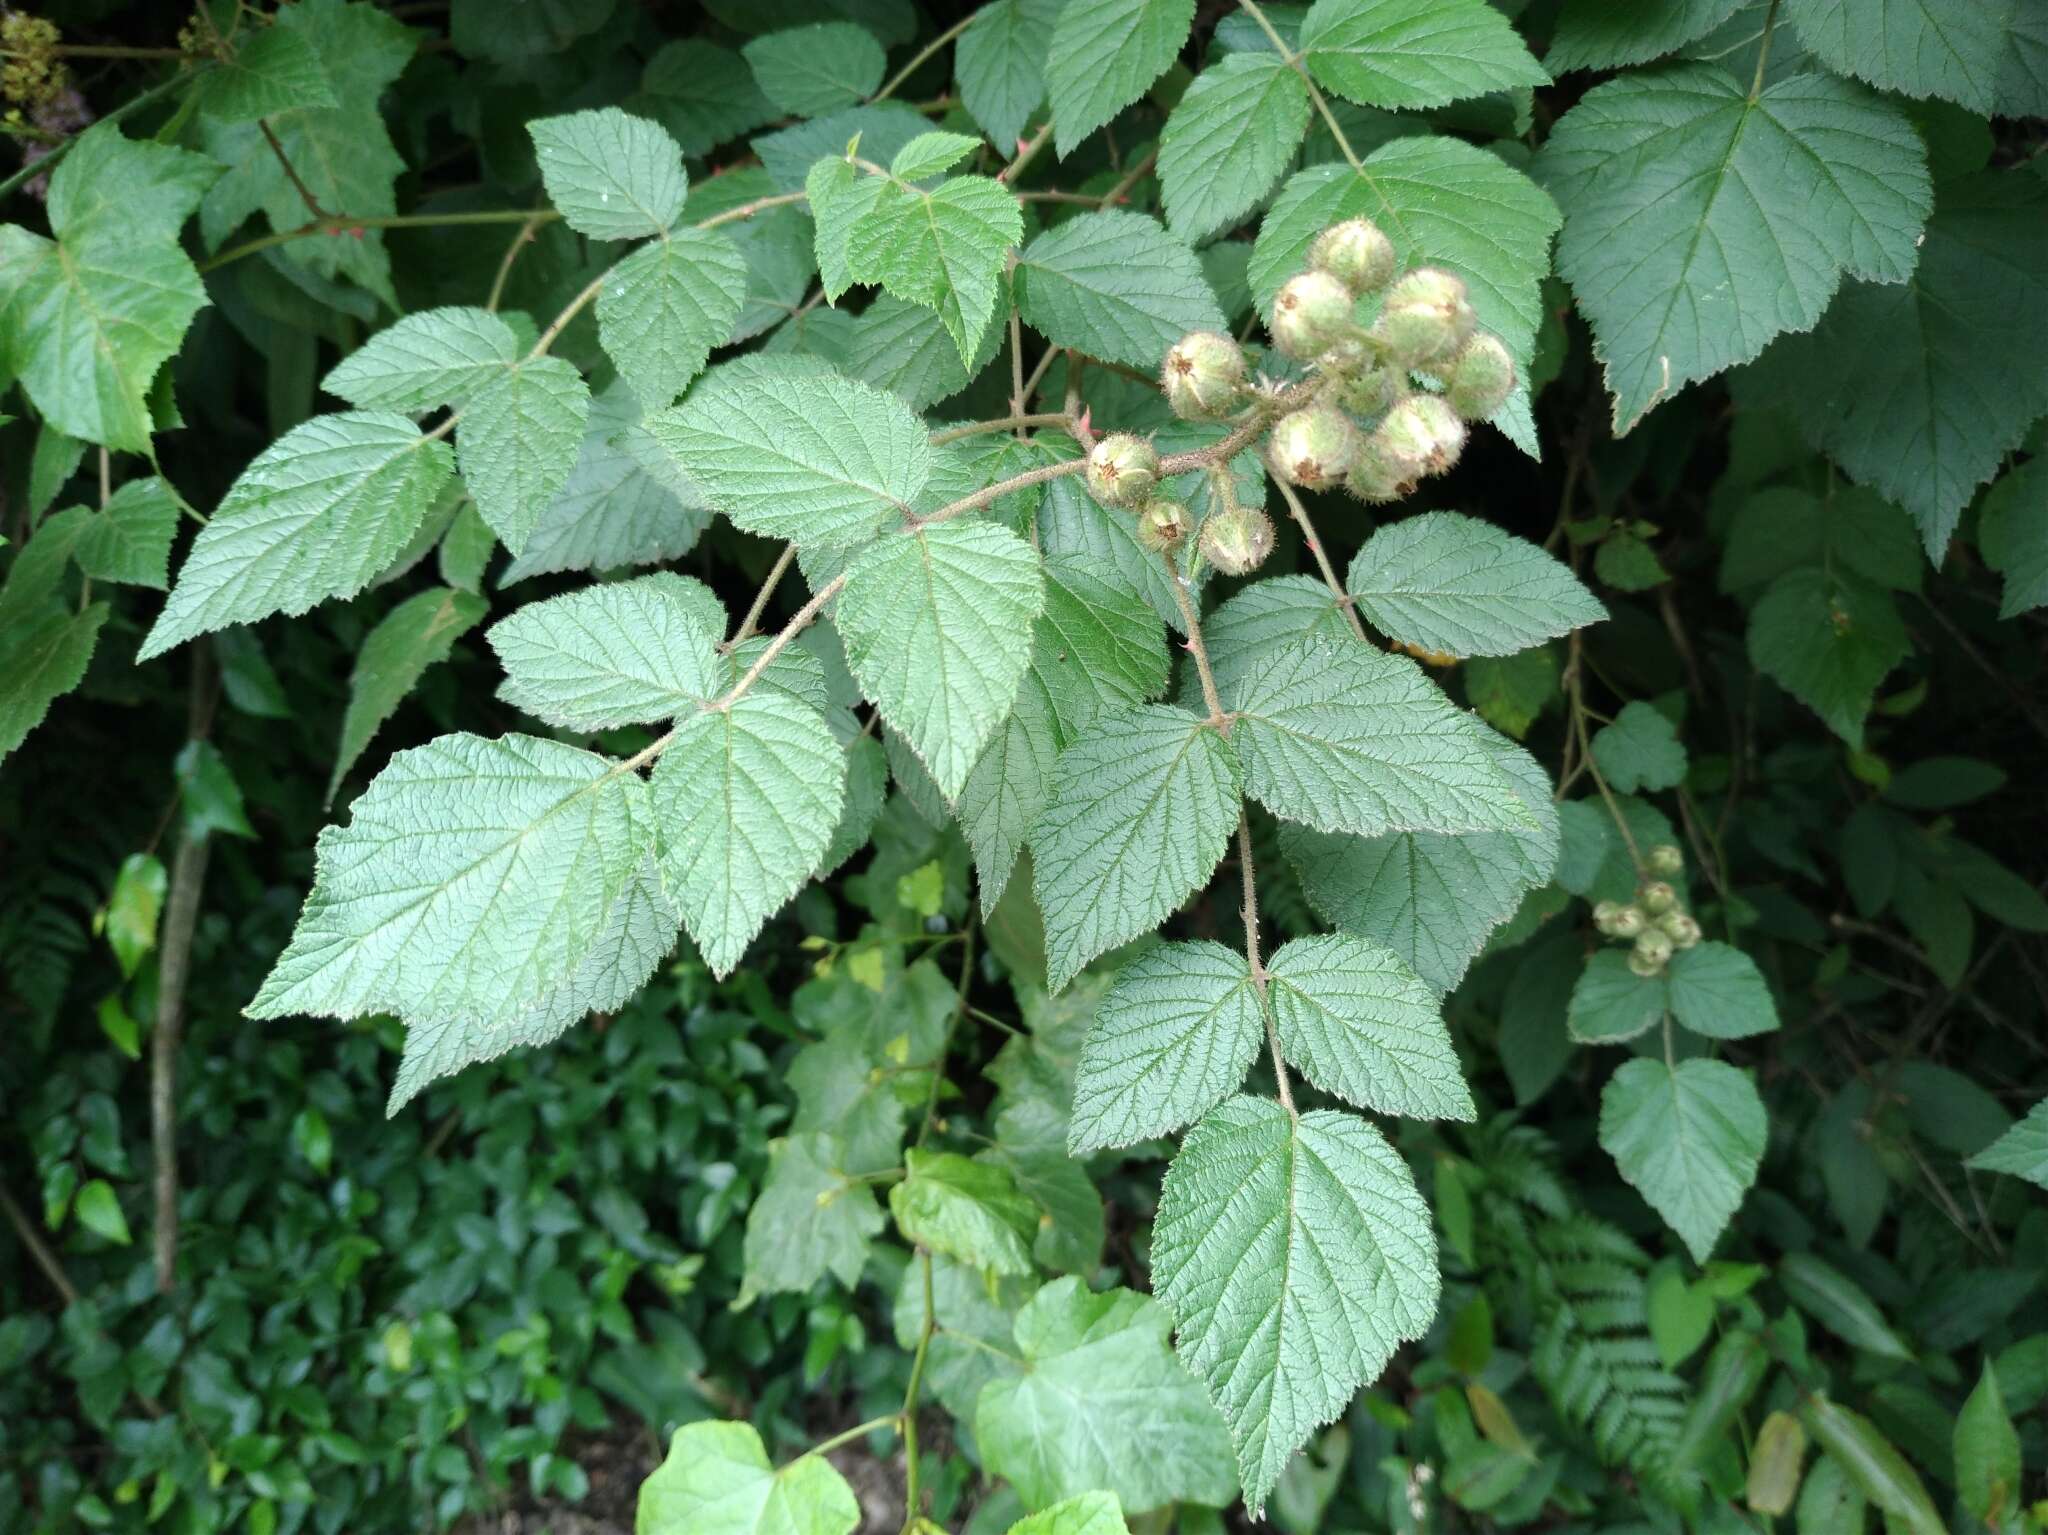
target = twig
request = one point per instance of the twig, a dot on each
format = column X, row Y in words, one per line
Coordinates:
column 1299, row 513
column 291, row 172
column 44, row 164
column 38, row 1249
column 1026, row 153
column 519, row 243
column 1196, row 648
column 1019, row 422
column 776, row 572
column 918, row 58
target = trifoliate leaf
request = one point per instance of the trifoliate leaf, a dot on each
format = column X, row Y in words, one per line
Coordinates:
column 2021, row 1151
column 1142, row 806
column 611, row 655
column 809, row 1220
column 942, row 248
column 814, row 459
column 1000, row 64
column 1343, row 737
column 1364, row 1026
column 1432, row 898
column 1104, row 55
column 1414, row 53
column 1007, row 789
column 1688, row 1138
column 1828, row 641
column 808, row 71
column 1228, row 140
column 1462, row 587
column 1699, row 223
column 745, row 800
column 1604, row 34
column 43, row 656
column 1101, row 1402
column 317, row 514
column 433, row 358
column 129, row 539
column 1116, row 286
column 1716, row 990
column 1171, row 1039
column 417, row 634
column 1296, row 1256
column 612, row 176
column 1639, row 750
column 937, row 624
column 272, row 72
column 966, row 1209
column 2012, row 535
column 1092, row 1513
column 717, row 1481
column 517, row 442
column 665, row 307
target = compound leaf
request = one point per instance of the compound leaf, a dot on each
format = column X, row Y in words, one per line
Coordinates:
column 1414, row 53
column 1228, row 140
column 663, row 309
column 1104, row 55
column 518, row 441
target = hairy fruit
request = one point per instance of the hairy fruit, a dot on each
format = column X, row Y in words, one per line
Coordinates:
column 1421, row 432
column 1237, row 541
column 1315, row 446
column 1371, row 389
column 1425, row 318
column 1665, row 861
column 1681, row 928
column 1122, row 469
column 1657, row 898
column 1479, row 379
column 1356, row 253
column 1162, row 524
column 1653, row 947
column 1203, row 375
column 1310, row 314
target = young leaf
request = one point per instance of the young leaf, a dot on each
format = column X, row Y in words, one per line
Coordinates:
column 942, row 248
column 1828, row 640
column 1000, row 65
column 717, row 1481
column 1688, row 1138
column 2021, row 1151
column 1104, row 55
column 1114, row 285
column 931, row 154
column 417, row 634
column 1296, row 1256
column 1639, row 750
column 1171, row 1040
column 665, row 307
column 809, row 71
column 809, row 1220
column 518, row 441
column 1716, row 990
column 612, row 176
column 1414, row 53
column 129, row 539
column 1228, row 140
column 99, row 1211
column 1142, row 806
column 432, row 358
column 618, row 654
column 966, row 1209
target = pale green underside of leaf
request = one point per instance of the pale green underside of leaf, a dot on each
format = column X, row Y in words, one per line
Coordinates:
column 1141, row 809
column 41, row 659
column 317, row 514
column 2022, row 1151
column 1688, row 1139
column 1414, row 53
column 1092, row 1513
column 665, row 307
column 1104, row 55
column 1990, row 57
column 1700, row 224
column 617, row 654
column 1228, row 140
column 1265, row 620
column 937, row 624
column 1007, row 789
column 1603, row 34
column 942, row 248
column 415, row 635
column 717, row 1481
column 1828, row 642
column 808, row 71
column 429, row 359
column 1000, row 65
column 612, row 176
column 809, row 1220
column 518, row 440
column 1114, row 285
column 1639, row 750
column 1172, row 1039
column 1296, row 1255
column 1716, row 990
column 1462, row 587
column 1098, row 645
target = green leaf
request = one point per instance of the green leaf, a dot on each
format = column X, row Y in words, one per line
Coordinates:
column 518, row 441
column 271, row 72
column 717, row 1481
column 1828, row 641
column 1511, row 693
column 931, row 154
column 1462, row 587
column 1365, row 1027
column 208, row 796
column 1142, row 806
column 1688, row 1138
column 1611, row 1003
column 937, row 623
column 1414, row 53
column 418, row 633
column 973, row 1343
column 703, row 94
column 840, row 196
column 482, row 30
column 1967, row 54
column 942, row 248
column 745, row 801
column 1116, row 286
column 1296, row 1255
column 2021, row 1151
column 1839, row 1304
column 809, row 1220
column 814, row 459
column 1092, row 1513
column 42, row 658
column 1432, row 898
column 903, row 347
column 1851, row 529
column 1639, row 750
column 966, row 1209
column 99, row 1211
column 2012, row 535
column 808, row 71
column 1263, row 623
column 1031, row 1141
column 1603, row 34
column 1000, row 65
column 618, row 654
column 1228, row 140
column 429, row 359
column 132, row 909
column 1101, row 1402
column 1879, row 1471
column 612, row 176
column 1104, row 55
column 1699, row 224
column 1921, row 390
column 319, row 513
column 1171, row 1039
column 1342, row 737
column 129, row 539
column 1098, row 645
column 1987, row 1453
column 1007, row 789
column 665, row 307
column 1715, row 989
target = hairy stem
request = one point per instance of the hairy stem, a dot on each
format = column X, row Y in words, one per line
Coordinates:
column 519, row 243
column 291, row 172
column 1196, row 648
column 1299, row 513
column 1253, row 958
column 752, row 621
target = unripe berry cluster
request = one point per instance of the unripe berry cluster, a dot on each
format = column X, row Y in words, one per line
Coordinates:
column 1655, row 924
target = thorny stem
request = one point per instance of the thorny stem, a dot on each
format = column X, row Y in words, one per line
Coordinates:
column 1299, row 513
column 1293, row 59
column 752, row 621
column 1257, row 963
column 1058, row 419
column 1196, row 648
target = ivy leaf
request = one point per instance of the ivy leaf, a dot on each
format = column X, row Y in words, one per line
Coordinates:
column 666, row 306
column 745, row 800
column 1365, row 1027
column 937, row 624
column 1000, row 64
column 318, row 514
column 1228, row 140
column 809, row 1220
column 717, row 1481
column 1688, row 1138
column 1092, row 1513
column 1716, row 990
column 418, row 633
column 432, row 358
column 942, row 248
column 1296, row 1255
column 1463, row 587
column 1639, row 750
column 1828, row 641
column 1105, row 54
column 612, row 176
column 518, row 441
column 1142, row 806
column 1414, row 53
column 1114, row 285
column 42, row 658
column 1700, row 224
column 1605, row 34
column 2021, row 1151
column 815, row 459
column 272, row 72
column 129, row 539
column 1101, row 1403
column 611, row 655
column 1342, row 737
column 1171, row 1039
column 966, row 1209
column 809, row 71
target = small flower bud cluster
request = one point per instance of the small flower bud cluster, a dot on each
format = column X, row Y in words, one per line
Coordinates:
column 1655, row 924
column 31, row 74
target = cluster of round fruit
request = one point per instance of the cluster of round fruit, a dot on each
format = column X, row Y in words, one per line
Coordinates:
column 1656, row 922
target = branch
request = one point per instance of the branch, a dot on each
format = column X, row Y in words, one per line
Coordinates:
column 918, row 58
column 291, row 172
column 38, row 1249
column 1299, row 513
column 1196, row 648
column 752, row 621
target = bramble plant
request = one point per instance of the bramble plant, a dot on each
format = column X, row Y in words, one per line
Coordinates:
column 1074, row 673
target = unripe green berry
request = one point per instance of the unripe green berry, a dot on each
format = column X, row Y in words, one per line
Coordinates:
column 1162, row 524
column 1425, row 318
column 1665, row 861
column 1656, row 898
column 1203, row 375
column 1371, row 389
column 1628, row 922
column 1381, row 476
column 1423, row 432
column 1603, row 915
column 1356, row 253
column 1315, row 446
column 1644, row 965
column 1310, row 313
column 1680, row 928
column 1122, row 469
column 1653, row 945
column 1478, row 380
column 1237, row 540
